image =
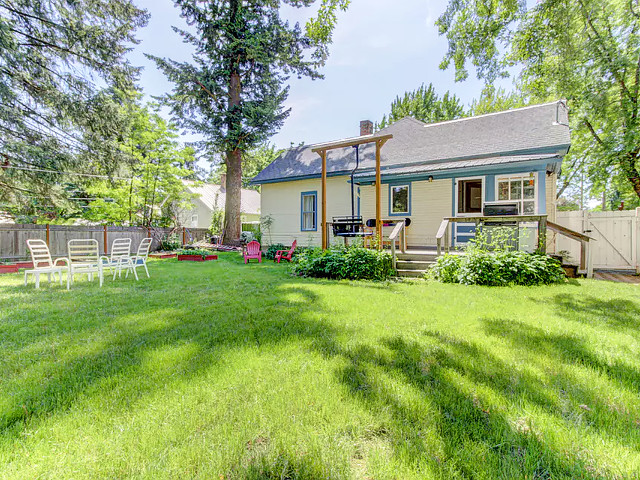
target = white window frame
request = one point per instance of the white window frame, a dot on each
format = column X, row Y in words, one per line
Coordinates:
column 400, row 185
column 522, row 176
column 455, row 196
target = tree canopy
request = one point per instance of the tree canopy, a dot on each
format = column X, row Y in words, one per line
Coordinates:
column 63, row 79
column 585, row 51
column 233, row 91
column 149, row 190
column 424, row 104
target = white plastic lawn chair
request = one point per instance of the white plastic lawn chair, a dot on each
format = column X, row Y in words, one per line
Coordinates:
column 120, row 253
column 42, row 263
column 140, row 259
column 84, row 257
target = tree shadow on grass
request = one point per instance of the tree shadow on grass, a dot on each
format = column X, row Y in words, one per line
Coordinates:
column 472, row 420
column 126, row 330
column 563, row 348
column 615, row 313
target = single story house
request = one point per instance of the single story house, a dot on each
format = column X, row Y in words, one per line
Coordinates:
column 428, row 172
column 210, row 196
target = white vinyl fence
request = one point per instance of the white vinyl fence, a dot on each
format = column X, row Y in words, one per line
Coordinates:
column 617, row 235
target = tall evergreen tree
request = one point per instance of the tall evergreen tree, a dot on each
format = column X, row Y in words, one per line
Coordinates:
column 232, row 93
column 424, row 104
column 52, row 114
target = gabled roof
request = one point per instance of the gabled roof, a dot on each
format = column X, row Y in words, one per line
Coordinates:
column 212, row 196
column 535, row 129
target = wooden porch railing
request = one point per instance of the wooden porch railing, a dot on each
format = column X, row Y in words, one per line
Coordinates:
column 398, row 230
column 586, row 265
column 586, row 262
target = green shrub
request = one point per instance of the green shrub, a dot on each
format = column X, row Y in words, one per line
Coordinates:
column 354, row 263
column 270, row 254
column 170, row 243
column 195, row 251
column 479, row 267
column 446, row 268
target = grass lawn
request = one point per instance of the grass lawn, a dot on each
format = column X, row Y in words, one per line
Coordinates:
column 220, row 370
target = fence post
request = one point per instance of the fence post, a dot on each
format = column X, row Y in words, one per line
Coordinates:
column 636, row 245
column 47, row 235
column 184, row 236
column 105, row 239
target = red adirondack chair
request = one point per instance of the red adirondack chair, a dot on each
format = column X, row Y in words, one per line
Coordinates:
column 253, row 251
column 286, row 254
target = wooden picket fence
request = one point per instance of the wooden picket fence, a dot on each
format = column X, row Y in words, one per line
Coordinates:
column 617, row 235
column 13, row 237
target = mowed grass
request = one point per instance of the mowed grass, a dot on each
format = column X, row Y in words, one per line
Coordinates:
column 221, row 370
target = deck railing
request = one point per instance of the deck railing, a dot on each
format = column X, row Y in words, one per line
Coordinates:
column 586, row 262
column 398, row 231
column 586, row 266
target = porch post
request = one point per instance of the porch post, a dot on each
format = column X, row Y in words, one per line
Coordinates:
column 378, row 196
column 323, row 155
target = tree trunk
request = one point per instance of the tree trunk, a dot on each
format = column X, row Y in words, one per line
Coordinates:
column 232, row 212
column 232, row 220
column 631, row 171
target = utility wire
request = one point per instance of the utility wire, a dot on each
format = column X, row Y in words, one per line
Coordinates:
column 63, row 173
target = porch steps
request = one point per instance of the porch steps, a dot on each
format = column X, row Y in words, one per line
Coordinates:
column 414, row 264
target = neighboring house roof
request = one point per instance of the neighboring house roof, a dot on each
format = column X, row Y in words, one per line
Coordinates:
column 214, row 196
column 534, row 129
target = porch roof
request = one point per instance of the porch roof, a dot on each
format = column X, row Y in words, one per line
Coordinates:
column 474, row 163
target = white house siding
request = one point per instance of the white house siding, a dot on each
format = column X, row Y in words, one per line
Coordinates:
column 430, row 203
column 200, row 216
column 551, row 197
column 282, row 201
column 552, row 216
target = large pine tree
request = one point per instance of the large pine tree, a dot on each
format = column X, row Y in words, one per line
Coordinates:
column 424, row 104
column 232, row 93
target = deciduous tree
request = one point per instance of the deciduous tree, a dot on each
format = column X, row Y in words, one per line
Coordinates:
column 586, row 51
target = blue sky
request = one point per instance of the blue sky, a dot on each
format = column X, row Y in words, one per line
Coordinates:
column 381, row 48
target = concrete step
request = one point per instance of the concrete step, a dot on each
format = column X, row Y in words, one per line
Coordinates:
column 418, row 257
column 410, row 273
column 414, row 264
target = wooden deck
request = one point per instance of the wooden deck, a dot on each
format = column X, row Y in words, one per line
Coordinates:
column 619, row 276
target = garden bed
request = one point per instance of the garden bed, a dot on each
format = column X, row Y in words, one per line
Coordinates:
column 8, row 269
column 163, row 255
column 196, row 258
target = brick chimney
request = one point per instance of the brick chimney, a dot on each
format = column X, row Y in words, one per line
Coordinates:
column 366, row 127
column 223, row 182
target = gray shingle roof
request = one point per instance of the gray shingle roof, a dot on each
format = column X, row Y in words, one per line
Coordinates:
column 535, row 129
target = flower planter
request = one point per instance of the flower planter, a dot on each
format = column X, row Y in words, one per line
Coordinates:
column 163, row 255
column 8, row 269
column 24, row 264
column 190, row 258
column 196, row 258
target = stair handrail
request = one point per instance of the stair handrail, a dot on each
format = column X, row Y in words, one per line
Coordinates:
column 586, row 262
column 443, row 232
column 398, row 230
